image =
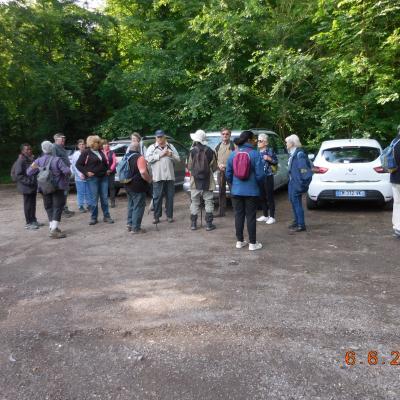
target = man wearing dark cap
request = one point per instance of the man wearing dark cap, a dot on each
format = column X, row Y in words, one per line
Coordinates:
column 161, row 157
column 59, row 151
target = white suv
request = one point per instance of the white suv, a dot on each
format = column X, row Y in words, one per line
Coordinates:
column 349, row 169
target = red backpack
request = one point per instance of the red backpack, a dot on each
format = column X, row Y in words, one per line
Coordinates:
column 242, row 164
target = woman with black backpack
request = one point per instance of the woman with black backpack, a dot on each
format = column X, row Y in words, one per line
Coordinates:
column 244, row 171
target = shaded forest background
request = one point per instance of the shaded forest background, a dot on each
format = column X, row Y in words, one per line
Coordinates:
column 318, row 68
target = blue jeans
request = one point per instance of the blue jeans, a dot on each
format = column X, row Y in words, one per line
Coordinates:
column 160, row 189
column 99, row 188
column 136, row 206
column 83, row 196
column 295, row 198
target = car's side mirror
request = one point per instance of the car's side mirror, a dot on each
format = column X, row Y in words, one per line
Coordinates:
column 311, row 157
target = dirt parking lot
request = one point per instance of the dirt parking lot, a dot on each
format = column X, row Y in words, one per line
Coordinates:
column 176, row 314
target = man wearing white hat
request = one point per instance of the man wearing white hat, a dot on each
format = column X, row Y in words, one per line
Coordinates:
column 202, row 164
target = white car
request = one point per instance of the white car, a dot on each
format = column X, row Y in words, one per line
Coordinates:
column 349, row 169
column 281, row 178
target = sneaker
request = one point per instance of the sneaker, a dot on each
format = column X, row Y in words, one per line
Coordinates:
column 255, row 246
column 298, row 228
column 108, row 220
column 82, row 209
column 68, row 214
column 262, row 219
column 31, row 227
column 137, row 231
column 36, row 223
column 129, row 228
column 293, row 225
column 170, row 220
column 270, row 221
column 156, row 220
column 396, row 233
column 93, row 222
column 240, row 245
column 112, row 204
column 57, row 234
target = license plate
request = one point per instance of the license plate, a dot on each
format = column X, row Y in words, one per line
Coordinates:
column 350, row 193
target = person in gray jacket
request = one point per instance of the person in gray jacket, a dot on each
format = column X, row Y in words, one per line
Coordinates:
column 59, row 151
column 161, row 157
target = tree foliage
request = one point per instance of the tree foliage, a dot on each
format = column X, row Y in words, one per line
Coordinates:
column 320, row 68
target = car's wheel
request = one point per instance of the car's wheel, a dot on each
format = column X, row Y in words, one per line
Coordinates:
column 311, row 204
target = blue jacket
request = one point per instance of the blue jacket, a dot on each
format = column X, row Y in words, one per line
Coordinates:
column 267, row 164
column 395, row 176
column 250, row 186
column 299, row 171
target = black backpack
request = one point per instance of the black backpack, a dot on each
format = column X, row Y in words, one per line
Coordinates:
column 200, row 163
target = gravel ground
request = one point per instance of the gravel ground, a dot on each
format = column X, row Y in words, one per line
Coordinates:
column 175, row 314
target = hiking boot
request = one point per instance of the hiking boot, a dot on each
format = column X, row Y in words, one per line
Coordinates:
column 138, row 231
column 57, row 234
column 108, row 220
column 93, row 222
column 209, row 219
column 255, row 246
column 193, row 219
column 82, row 209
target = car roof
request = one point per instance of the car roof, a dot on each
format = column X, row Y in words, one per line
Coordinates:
column 349, row 143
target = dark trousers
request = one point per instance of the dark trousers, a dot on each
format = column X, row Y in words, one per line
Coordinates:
column 111, row 187
column 267, row 196
column 161, row 189
column 222, row 192
column 245, row 207
column 30, row 207
column 54, row 204
column 295, row 199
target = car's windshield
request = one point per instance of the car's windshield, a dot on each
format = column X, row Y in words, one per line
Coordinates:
column 348, row 155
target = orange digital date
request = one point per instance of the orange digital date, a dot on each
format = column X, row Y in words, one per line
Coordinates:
column 373, row 358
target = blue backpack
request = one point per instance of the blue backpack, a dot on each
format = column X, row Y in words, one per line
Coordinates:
column 388, row 159
column 124, row 170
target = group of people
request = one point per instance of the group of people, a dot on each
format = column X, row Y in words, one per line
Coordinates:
column 247, row 165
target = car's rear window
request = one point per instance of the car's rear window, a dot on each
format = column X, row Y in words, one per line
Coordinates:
column 349, row 155
column 119, row 149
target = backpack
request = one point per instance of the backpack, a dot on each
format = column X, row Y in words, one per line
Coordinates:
column 200, row 164
column 306, row 174
column 242, row 164
column 45, row 178
column 13, row 172
column 388, row 159
column 124, row 170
